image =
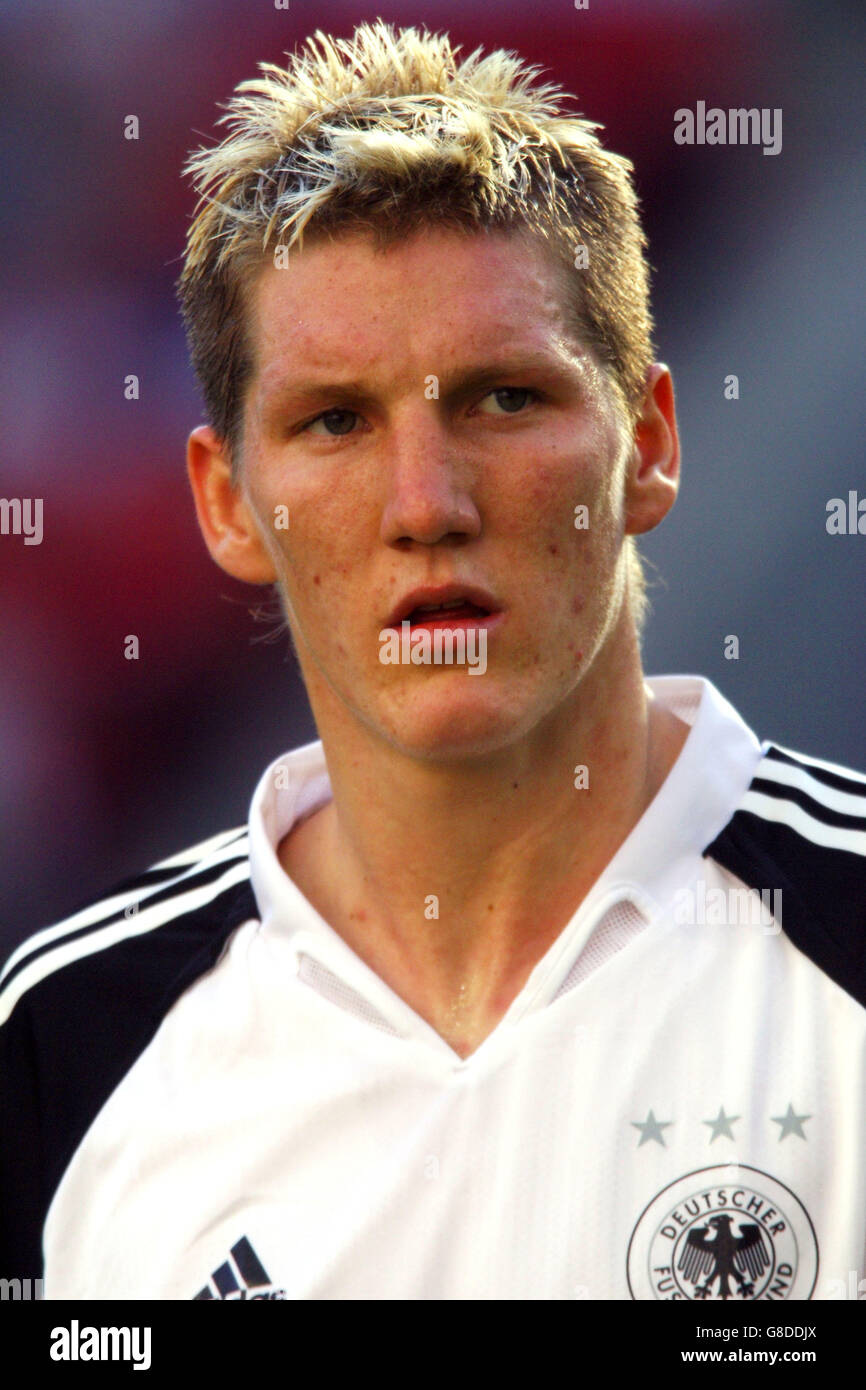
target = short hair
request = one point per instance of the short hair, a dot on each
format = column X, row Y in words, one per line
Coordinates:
column 387, row 132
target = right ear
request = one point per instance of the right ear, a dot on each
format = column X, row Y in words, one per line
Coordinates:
column 231, row 532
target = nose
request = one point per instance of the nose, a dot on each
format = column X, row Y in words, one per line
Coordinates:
column 429, row 485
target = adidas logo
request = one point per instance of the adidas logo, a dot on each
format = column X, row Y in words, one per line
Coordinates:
column 242, row 1276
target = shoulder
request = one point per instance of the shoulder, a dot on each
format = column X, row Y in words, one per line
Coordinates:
column 81, row 1000
column 164, row 916
column 801, row 828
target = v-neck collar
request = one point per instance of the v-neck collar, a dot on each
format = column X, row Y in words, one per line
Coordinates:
column 694, row 803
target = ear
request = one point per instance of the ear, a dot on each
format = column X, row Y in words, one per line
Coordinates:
column 231, row 532
column 654, row 466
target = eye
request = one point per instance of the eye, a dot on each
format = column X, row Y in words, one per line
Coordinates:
column 334, row 422
column 509, row 399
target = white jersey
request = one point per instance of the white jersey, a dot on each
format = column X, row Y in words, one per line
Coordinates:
column 215, row 1097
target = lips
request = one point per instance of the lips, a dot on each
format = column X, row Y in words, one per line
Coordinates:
column 445, row 603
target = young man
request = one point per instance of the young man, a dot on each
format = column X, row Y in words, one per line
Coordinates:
column 480, row 1004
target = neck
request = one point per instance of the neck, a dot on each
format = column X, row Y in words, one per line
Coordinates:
column 454, row 880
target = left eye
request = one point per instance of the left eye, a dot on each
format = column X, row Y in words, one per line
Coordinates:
column 508, row 399
column 333, row 422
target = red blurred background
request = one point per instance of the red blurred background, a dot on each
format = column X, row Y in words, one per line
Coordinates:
column 107, row 764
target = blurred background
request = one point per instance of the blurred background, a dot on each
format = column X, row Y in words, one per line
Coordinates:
column 108, row 764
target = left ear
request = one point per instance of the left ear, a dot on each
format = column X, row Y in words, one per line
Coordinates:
column 654, row 464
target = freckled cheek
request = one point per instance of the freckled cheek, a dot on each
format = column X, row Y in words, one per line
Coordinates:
column 540, row 501
column 543, row 499
column 562, row 564
column 317, row 564
column 316, row 574
column 316, row 536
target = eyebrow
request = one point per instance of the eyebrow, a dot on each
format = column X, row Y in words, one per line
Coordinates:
column 461, row 382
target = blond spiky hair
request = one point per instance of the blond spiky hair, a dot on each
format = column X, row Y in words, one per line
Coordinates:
column 386, row 131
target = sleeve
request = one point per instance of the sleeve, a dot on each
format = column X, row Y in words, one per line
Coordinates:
column 22, row 1197
column 68, row 1040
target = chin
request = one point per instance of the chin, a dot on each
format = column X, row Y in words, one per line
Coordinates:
column 453, row 724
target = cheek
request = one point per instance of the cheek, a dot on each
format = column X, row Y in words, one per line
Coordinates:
column 572, row 557
column 579, row 468
column 316, row 545
column 565, row 510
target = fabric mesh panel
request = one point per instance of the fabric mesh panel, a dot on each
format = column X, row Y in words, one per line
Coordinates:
column 622, row 922
column 619, row 926
column 330, row 986
column 685, row 706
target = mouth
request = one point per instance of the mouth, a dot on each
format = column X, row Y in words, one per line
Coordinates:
column 450, row 606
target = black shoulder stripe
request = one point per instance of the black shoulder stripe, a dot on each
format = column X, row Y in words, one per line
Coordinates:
column 784, row 792
column 165, row 870
column 194, row 876
column 823, row 886
column 69, row 1043
column 840, row 779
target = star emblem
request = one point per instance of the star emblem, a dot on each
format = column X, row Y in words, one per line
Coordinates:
column 651, row 1128
column 721, row 1125
column 791, row 1123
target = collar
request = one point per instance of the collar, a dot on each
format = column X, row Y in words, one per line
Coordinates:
column 697, row 799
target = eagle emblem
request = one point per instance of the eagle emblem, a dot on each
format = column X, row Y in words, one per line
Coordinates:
column 724, row 1256
column 728, row 1232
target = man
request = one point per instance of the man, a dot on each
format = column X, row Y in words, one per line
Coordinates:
column 534, row 978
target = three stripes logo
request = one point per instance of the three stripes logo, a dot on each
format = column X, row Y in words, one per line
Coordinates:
column 242, row 1276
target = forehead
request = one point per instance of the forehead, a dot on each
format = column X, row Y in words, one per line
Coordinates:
column 345, row 301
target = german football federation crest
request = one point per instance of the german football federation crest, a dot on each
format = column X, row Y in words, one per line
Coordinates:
column 727, row 1232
